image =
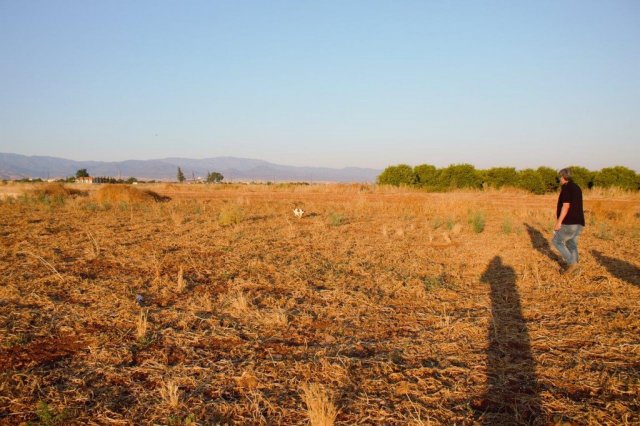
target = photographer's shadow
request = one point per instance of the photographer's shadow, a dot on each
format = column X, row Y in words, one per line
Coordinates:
column 619, row 268
column 540, row 243
column 512, row 395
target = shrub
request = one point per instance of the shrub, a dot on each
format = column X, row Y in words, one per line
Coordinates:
column 432, row 283
column 437, row 222
column 477, row 222
column 530, row 180
column 426, row 175
column 48, row 417
column 618, row 176
column 450, row 223
column 335, row 219
column 459, row 176
column 497, row 177
column 230, row 215
column 549, row 177
column 582, row 177
column 401, row 174
column 539, row 181
column 604, row 232
column 507, row 226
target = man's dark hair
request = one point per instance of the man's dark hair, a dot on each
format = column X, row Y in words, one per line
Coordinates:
column 565, row 173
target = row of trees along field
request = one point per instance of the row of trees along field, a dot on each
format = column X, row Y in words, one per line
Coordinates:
column 539, row 181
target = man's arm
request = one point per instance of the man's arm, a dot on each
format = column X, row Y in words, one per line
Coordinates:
column 563, row 214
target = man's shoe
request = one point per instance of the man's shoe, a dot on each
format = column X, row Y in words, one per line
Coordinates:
column 571, row 269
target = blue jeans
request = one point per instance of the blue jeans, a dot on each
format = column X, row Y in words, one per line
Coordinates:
column 566, row 241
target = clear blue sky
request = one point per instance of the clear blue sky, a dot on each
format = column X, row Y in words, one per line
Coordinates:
column 328, row 83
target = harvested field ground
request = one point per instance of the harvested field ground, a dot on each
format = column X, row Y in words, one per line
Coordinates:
column 386, row 306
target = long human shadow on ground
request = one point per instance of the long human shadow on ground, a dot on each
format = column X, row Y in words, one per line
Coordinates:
column 540, row 243
column 512, row 391
column 619, row 268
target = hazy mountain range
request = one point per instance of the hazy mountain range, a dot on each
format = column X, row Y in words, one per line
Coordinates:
column 15, row 166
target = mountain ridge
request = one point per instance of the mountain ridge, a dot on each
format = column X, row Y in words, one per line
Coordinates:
column 17, row 166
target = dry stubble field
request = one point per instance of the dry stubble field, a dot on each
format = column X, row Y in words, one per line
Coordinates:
column 379, row 306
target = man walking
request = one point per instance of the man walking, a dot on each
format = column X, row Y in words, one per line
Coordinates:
column 570, row 221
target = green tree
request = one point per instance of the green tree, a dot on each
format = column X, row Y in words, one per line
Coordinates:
column 582, row 177
column 401, row 174
column 214, row 177
column 497, row 177
column 426, row 175
column 180, row 175
column 459, row 176
column 82, row 173
column 619, row 176
column 549, row 178
column 530, row 180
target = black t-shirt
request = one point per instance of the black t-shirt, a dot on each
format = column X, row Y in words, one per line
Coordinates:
column 572, row 194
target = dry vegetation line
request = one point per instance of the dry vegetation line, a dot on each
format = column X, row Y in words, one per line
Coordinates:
column 375, row 305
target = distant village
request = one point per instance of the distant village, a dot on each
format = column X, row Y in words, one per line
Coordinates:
column 83, row 176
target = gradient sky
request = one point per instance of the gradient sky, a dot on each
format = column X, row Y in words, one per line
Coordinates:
column 325, row 83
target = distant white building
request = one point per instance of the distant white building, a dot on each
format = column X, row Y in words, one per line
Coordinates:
column 87, row 179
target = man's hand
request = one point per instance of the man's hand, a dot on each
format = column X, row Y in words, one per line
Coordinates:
column 558, row 226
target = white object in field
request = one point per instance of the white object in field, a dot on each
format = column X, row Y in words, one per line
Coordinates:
column 298, row 212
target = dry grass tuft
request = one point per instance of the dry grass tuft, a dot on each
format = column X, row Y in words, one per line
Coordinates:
column 180, row 282
column 247, row 380
column 230, row 215
column 203, row 302
column 238, row 304
column 276, row 318
column 94, row 249
column 320, row 407
column 126, row 194
column 170, row 393
column 141, row 326
column 55, row 190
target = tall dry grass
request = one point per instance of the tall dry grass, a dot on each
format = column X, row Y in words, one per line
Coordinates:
column 181, row 284
column 170, row 393
column 115, row 193
column 142, row 325
column 55, row 190
column 321, row 409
